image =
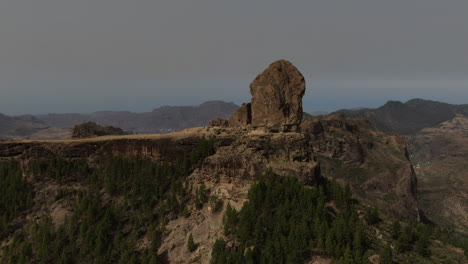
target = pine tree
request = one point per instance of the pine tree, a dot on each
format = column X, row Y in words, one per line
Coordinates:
column 386, row 256
column 395, row 229
column 348, row 257
column 230, row 219
column 405, row 239
column 372, row 216
column 422, row 245
column 329, row 243
column 191, row 246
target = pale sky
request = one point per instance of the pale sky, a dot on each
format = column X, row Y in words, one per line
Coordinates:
column 90, row 55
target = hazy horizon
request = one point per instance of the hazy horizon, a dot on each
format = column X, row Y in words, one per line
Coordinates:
column 87, row 56
column 374, row 105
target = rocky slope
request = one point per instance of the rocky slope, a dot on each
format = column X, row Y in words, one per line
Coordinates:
column 437, row 145
column 440, row 158
column 375, row 164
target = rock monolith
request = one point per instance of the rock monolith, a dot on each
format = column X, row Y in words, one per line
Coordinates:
column 277, row 97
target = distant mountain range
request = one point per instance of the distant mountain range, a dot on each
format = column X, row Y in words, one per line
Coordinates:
column 161, row 120
column 408, row 118
column 20, row 126
column 393, row 117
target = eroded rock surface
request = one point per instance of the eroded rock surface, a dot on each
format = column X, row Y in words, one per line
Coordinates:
column 277, row 97
column 276, row 100
column 375, row 164
column 440, row 158
column 242, row 117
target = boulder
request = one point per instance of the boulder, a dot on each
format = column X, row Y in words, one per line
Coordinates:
column 277, row 97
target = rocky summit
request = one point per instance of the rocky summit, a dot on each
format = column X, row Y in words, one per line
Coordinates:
column 276, row 100
column 277, row 97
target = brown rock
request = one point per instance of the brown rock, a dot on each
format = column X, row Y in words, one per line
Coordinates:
column 91, row 129
column 242, row 117
column 374, row 164
column 218, row 122
column 277, row 97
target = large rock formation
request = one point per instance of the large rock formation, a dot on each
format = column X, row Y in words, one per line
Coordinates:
column 277, row 97
column 276, row 100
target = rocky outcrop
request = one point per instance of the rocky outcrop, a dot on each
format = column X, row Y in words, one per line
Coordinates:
column 242, row 117
column 277, row 97
column 247, row 155
column 276, row 100
column 91, row 129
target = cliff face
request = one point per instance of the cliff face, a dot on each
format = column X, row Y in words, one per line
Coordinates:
column 156, row 149
column 375, row 164
column 440, row 157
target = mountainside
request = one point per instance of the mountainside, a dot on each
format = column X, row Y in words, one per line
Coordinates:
column 410, row 117
column 438, row 147
column 440, row 158
column 160, row 120
column 375, row 165
column 59, row 173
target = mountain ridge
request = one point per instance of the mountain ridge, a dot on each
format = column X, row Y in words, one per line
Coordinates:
column 163, row 119
column 409, row 117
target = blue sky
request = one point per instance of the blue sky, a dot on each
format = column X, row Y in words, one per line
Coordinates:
column 84, row 56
